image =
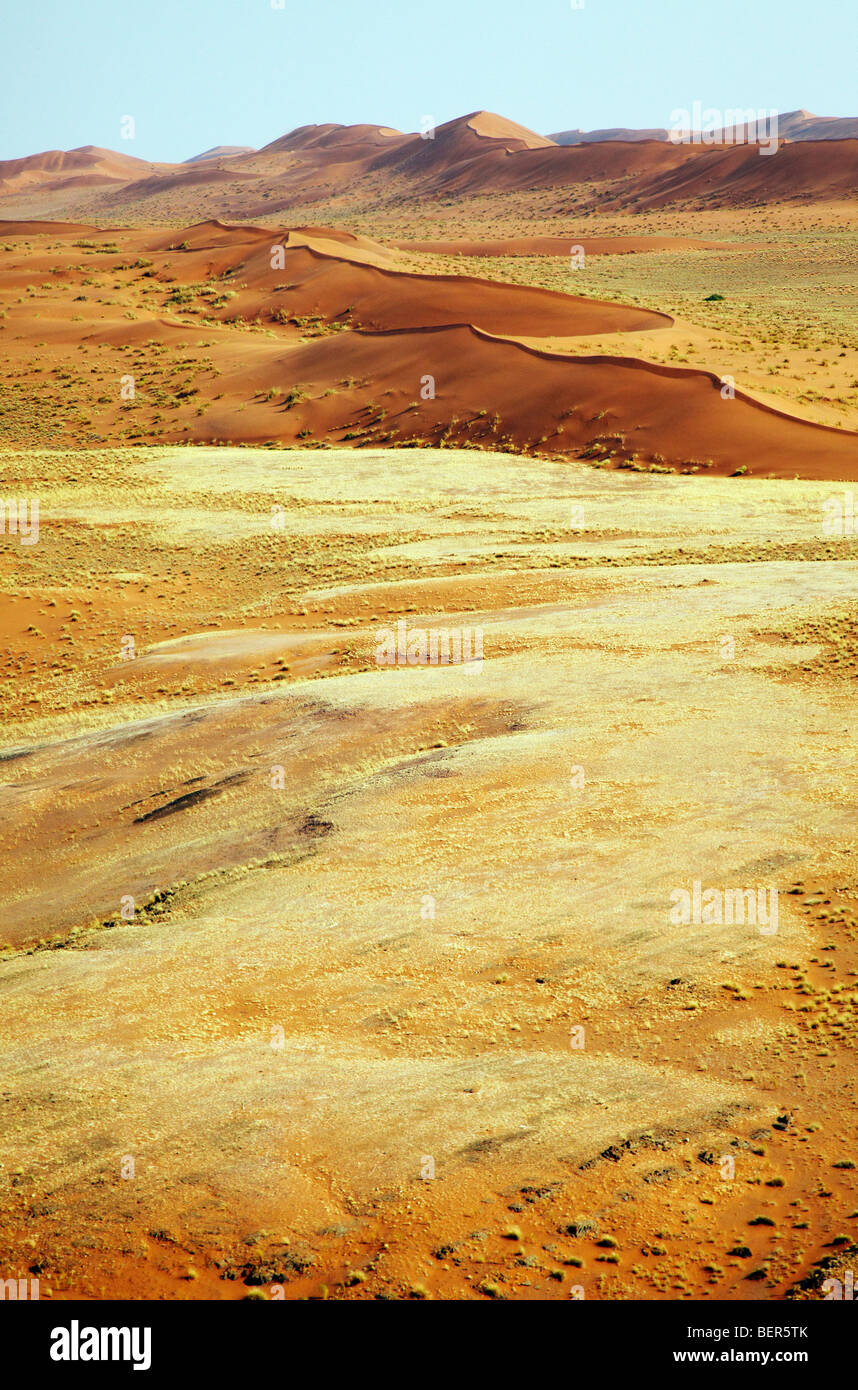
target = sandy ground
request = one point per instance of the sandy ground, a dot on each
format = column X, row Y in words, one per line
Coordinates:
column 360, row 980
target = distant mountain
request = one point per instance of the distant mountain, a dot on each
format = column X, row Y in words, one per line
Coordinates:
column 465, row 135
column 792, row 125
column 87, row 166
column 220, row 152
column 597, row 137
column 801, row 125
column 338, row 138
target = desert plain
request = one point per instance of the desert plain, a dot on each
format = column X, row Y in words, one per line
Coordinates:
column 324, row 976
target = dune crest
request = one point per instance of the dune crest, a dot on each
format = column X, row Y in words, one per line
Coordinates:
column 492, row 127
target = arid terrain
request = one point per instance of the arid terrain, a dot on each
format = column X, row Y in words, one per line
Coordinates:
column 329, row 976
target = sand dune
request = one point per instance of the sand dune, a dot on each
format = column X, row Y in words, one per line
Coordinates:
column 361, row 250
column 650, row 174
column 205, row 235
column 455, row 330
column 87, row 165
column 470, row 156
column 341, row 287
column 491, row 127
column 358, row 138
column 32, row 228
column 724, row 175
column 220, row 152
column 482, row 135
column 357, row 351
column 184, row 181
column 489, row 390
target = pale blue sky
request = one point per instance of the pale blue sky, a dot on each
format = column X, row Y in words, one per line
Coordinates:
column 197, row 73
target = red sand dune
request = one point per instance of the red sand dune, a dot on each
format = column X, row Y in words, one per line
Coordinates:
column 204, row 236
column 88, row 165
column 360, row 139
column 472, row 155
column 28, row 229
column 649, row 173
column 336, row 287
column 481, row 166
column 558, row 404
column 461, row 160
column 458, row 330
column 308, row 379
column 348, row 239
column 489, row 126
column 478, row 141
column 725, row 175
column 461, row 331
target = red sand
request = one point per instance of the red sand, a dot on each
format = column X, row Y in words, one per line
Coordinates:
column 472, row 155
column 335, row 286
column 350, row 345
column 542, row 401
